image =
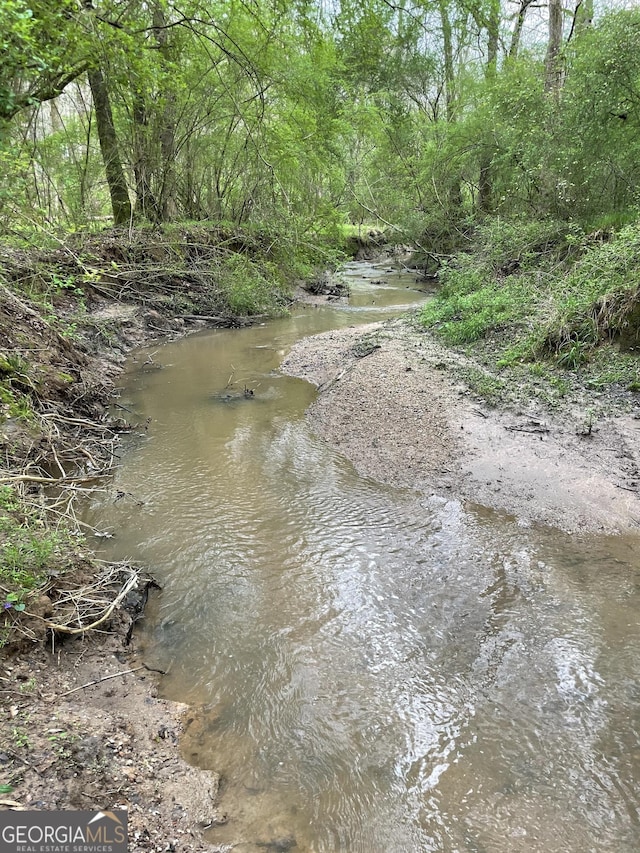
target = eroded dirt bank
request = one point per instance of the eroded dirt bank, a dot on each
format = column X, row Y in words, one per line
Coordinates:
column 390, row 400
column 110, row 745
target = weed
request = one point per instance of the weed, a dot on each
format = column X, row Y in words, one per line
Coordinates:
column 20, row 737
column 20, row 407
column 61, row 741
column 60, row 285
column 491, row 388
column 560, row 385
column 8, row 499
column 12, row 364
column 28, row 550
column 572, row 354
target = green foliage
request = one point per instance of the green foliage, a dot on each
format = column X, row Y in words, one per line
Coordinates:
column 493, row 286
column 599, row 298
column 600, row 153
column 39, row 44
column 300, row 118
column 15, row 383
column 559, row 294
column 28, row 550
column 247, row 288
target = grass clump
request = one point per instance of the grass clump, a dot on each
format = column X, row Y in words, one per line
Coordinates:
column 29, row 552
column 15, row 384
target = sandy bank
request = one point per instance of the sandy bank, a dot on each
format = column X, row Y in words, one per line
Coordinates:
column 390, row 401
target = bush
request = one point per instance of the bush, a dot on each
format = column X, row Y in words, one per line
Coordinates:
column 494, row 286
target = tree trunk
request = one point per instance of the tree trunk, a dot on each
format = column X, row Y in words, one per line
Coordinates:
column 485, row 181
column 120, row 202
column 517, row 30
column 167, row 204
column 553, row 60
column 145, row 199
column 449, row 79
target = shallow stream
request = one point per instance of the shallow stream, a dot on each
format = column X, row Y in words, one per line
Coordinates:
column 378, row 670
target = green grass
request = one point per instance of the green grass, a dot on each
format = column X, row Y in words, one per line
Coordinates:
column 29, row 551
column 545, row 292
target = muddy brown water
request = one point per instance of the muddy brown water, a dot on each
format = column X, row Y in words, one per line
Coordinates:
column 378, row 671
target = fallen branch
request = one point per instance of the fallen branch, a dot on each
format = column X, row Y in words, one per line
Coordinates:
column 52, row 481
column 536, row 429
column 626, row 488
column 204, row 317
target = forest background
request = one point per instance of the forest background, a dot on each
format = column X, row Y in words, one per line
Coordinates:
column 499, row 130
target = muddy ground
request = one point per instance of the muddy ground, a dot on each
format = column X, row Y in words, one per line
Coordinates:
column 111, row 745
column 390, row 399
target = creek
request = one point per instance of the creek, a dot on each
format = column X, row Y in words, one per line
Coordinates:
column 375, row 670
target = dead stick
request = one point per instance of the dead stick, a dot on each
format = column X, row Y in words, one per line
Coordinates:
column 108, row 677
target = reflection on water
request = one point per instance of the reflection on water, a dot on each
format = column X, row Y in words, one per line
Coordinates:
column 380, row 671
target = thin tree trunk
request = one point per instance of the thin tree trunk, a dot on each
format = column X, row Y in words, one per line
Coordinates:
column 454, row 192
column 582, row 18
column 485, row 181
column 145, row 199
column 167, row 203
column 449, row 79
column 120, row 202
column 517, row 30
column 553, row 60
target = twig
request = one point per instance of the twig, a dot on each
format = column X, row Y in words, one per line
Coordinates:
column 107, row 677
column 53, row 481
column 208, row 319
column 17, row 757
column 626, row 488
column 528, row 429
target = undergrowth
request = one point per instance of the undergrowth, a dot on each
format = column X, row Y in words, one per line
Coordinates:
column 546, row 292
column 30, row 553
